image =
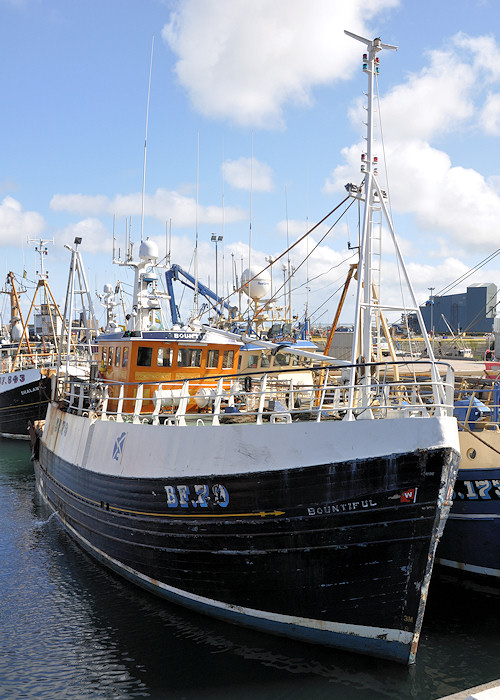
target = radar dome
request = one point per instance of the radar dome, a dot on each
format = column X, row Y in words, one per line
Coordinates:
column 16, row 332
column 108, row 289
column 148, row 250
column 256, row 284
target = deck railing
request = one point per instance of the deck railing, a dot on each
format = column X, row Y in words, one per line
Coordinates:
column 477, row 404
column 36, row 359
column 250, row 399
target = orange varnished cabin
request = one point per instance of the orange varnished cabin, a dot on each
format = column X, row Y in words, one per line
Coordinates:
column 151, row 361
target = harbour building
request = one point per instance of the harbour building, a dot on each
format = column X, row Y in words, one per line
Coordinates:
column 472, row 311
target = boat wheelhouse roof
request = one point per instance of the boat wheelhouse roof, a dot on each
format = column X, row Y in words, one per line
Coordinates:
column 173, row 336
column 303, row 344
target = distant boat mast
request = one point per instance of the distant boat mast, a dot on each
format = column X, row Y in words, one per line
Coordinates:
column 146, row 143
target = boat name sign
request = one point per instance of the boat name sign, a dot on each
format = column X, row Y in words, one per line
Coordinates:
column 179, row 495
column 487, row 489
column 12, row 378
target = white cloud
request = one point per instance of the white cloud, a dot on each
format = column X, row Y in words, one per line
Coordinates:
column 484, row 52
column 446, row 96
column 441, row 197
column 79, row 203
column 494, row 183
column 437, row 100
column 245, row 60
column 16, row 225
column 163, row 205
column 96, row 238
column 247, row 174
column 490, row 116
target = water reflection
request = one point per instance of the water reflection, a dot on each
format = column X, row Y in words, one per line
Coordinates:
column 71, row 629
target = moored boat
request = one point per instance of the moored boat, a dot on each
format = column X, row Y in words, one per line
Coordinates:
column 470, row 540
column 316, row 519
column 29, row 355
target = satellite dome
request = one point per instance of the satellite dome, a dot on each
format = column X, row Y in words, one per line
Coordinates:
column 16, row 331
column 259, row 286
column 148, row 250
column 108, row 289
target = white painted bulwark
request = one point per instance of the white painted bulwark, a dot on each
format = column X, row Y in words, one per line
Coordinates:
column 169, row 450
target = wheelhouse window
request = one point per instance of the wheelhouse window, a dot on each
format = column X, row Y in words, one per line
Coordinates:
column 104, row 355
column 213, row 359
column 164, row 357
column 125, row 357
column 144, row 356
column 228, row 359
column 281, row 360
column 117, row 357
column 188, row 357
column 264, row 361
column 110, row 357
column 253, row 361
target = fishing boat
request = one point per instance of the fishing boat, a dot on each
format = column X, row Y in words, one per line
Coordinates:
column 29, row 355
column 24, row 385
column 316, row 518
column 470, row 540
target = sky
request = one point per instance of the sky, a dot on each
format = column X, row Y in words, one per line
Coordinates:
column 254, row 126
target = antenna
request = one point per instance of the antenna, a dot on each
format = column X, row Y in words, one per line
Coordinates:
column 372, row 44
column 195, row 301
column 167, row 249
column 250, row 228
column 146, row 142
column 306, row 321
column 223, row 223
column 288, row 315
column 41, row 249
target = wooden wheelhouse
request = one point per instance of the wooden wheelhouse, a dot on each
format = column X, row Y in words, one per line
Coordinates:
column 162, row 360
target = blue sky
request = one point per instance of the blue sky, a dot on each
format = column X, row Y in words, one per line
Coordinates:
column 271, row 83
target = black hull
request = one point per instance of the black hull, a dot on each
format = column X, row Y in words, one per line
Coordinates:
column 335, row 543
column 470, row 542
column 22, row 404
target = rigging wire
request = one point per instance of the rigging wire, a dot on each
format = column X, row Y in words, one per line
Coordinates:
column 328, row 299
column 312, row 251
column 469, row 272
column 299, row 240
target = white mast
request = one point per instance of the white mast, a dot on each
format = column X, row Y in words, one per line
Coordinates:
column 366, row 303
column 370, row 67
column 362, row 323
column 77, row 286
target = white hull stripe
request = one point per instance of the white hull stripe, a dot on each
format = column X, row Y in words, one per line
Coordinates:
column 484, row 570
column 474, row 516
column 15, row 436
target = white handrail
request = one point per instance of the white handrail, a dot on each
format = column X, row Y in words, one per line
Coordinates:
column 225, row 397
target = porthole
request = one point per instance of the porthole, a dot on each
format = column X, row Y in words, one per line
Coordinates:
column 471, row 453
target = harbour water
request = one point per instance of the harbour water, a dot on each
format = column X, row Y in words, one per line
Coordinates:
column 71, row 629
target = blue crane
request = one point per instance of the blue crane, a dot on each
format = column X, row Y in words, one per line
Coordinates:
column 177, row 273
